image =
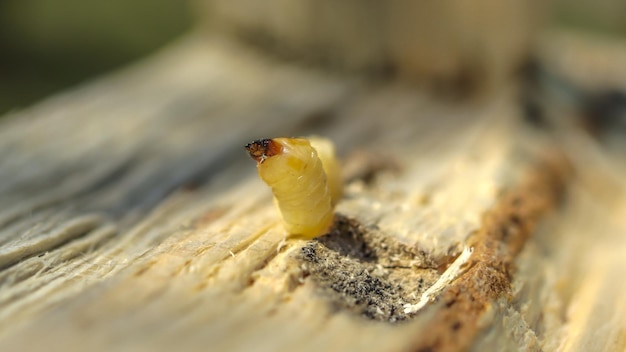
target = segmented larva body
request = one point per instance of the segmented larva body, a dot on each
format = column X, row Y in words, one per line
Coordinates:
column 326, row 152
column 305, row 182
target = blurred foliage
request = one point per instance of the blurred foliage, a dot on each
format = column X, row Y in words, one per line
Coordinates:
column 606, row 17
column 49, row 45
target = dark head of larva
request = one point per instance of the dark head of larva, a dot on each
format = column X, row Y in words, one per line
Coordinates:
column 262, row 149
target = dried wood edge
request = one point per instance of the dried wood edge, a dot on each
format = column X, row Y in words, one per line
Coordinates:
column 68, row 231
column 463, row 307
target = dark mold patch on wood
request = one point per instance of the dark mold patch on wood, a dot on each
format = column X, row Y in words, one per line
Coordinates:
column 365, row 271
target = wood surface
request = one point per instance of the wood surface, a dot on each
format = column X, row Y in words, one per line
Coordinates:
column 131, row 217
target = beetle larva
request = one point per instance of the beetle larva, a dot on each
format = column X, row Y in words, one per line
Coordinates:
column 326, row 152
column 299, row 177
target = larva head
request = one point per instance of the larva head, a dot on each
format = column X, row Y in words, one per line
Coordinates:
column 262, row 149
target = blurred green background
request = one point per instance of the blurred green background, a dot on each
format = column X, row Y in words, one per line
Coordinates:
column 606, row 17
column 46, row 45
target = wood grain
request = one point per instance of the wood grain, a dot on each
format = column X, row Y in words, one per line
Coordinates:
column 132, row 219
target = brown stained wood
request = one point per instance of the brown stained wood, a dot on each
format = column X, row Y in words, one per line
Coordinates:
column 180, row 244
column 504, row 230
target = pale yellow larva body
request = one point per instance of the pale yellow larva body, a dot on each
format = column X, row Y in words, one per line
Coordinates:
column 326, row 152
column 298, row 179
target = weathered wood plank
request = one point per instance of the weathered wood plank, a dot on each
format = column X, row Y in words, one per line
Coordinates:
column 178, row 243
